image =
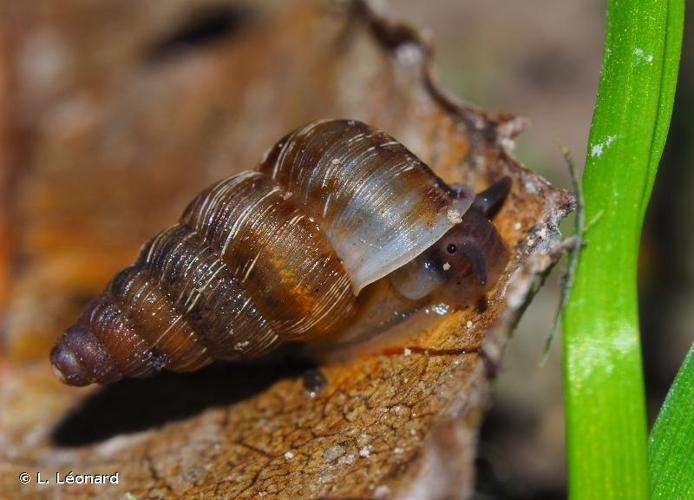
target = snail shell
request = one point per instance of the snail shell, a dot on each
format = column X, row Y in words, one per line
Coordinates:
column 276, row 254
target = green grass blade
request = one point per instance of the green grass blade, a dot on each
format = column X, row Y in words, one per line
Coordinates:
column 603, row 381
column 671, row 445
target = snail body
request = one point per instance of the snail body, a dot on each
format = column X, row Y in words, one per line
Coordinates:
column 282, row 253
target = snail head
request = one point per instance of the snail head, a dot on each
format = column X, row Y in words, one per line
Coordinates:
column 467, row 261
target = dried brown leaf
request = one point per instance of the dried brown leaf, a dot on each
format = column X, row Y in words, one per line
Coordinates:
column 118, row 133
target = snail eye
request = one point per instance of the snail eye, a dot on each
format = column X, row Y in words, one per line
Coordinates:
column 451, row 248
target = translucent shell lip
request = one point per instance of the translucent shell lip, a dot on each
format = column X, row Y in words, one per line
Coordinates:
column 388, row 250
column 378, row 205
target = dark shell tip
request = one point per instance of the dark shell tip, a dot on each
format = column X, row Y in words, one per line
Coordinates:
column 67, row 367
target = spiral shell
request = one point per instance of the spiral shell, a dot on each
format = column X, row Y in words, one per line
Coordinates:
column 276, row 254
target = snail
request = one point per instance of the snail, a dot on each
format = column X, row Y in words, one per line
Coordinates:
column 284, row 253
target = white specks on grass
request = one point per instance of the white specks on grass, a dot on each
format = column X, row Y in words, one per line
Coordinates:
column 596, row 150
column 398, row 450
column 517, row 226
column 347, row 459
column 468, row 325
column 288, row 455
column 364, row 452
column 407, row 351
column 642, row 56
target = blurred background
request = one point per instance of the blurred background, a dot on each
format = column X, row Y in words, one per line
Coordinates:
column 535, row 58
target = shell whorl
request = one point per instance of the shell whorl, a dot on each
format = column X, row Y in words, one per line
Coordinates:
column 276, row 254
column 378, row 204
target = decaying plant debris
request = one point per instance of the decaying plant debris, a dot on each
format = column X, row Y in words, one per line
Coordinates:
column 123, row 122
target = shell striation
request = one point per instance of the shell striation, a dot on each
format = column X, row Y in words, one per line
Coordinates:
column 277, row 254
